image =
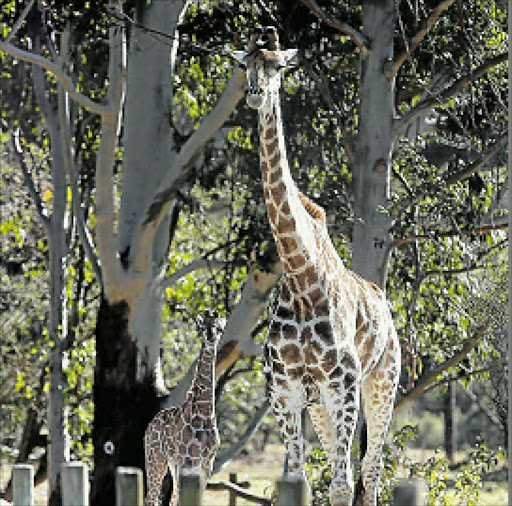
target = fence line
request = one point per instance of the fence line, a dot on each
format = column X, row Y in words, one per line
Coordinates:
column 129, row 488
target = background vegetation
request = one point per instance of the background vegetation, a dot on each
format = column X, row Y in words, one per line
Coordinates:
column 445, row 207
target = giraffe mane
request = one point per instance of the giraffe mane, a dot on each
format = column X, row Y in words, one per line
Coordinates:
column 313, row 209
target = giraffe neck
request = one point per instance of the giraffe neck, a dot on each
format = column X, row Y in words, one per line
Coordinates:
column 289, row 220
column 202, row 389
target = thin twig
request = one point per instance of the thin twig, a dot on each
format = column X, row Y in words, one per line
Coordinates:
column 484, row 229
column 60, row 75
column 19, row 21
column 450, row 91
column 392, row 70
column 357, row 37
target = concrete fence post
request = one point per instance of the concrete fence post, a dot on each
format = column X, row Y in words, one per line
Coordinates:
column 23, row 485
column 75, row 484
column 410, row 492
column 292, row 490
column 129, row 486
column 191, row 488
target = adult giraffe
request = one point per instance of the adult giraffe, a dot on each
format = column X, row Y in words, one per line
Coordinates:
column 331, row 336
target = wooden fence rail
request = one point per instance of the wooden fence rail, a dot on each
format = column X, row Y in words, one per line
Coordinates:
column 130, row 489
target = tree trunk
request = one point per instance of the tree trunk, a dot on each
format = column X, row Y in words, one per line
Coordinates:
column 124, row 402
column 374, row 145
column 373, row 157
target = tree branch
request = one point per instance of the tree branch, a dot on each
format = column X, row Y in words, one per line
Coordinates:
column 392, row 70
column 476, row 166
column 158, row 207
column 59, row 74
column 110, row 124
column 437, row 100
column 431, row 378
column 461, row 175
column 223, row 459
column 357, row 37
column 67, row 143
column 483, row 229
column 19, row 21
column 237, row 339
column 198, row 263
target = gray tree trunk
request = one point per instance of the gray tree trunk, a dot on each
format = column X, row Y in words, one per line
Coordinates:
column 374, row 145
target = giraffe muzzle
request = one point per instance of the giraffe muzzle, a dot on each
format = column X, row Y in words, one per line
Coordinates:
column 255, row 97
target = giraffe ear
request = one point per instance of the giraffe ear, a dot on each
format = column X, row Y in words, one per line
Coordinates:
column 239, row 56
column 290, row 57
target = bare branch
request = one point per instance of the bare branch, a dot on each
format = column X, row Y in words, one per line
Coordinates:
column 71, row 170
column 476, row 166
column 19, row 21
column 224, row 458
column 483, row 229
column 439, row 99
column 166, row 192
column 392, row 70
column 110, row 124
column 197, row 264
column 59, row 74
column 357, row 37
column 431, row 378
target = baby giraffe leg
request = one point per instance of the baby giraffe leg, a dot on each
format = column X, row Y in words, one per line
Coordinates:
column 156, row 467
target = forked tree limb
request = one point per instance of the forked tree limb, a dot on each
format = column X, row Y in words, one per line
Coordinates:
column 184, row 161
column 59, row 74
column 225, row 457
column 440, row 98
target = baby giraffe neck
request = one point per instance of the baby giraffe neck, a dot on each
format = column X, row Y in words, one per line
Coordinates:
column 202, row 389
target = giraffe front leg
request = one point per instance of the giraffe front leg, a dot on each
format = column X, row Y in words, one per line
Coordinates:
column 342, row 405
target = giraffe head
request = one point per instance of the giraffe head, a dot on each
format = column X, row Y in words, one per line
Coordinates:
column 263, row 63
column 211, row 325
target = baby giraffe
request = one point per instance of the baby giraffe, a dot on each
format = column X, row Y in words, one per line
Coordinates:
column 185, row 436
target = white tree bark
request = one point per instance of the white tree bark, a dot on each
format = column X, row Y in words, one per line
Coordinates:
column 374, row 146
column 58, row 451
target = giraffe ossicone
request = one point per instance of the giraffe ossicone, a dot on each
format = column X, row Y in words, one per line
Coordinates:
column 185, row 437
column 331, row 338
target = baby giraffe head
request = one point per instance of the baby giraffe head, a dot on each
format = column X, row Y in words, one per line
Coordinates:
column 263, row 63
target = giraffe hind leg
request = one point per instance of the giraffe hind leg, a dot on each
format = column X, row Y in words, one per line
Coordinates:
column 324, row 430
column 156, row 467
column 341, row 400
column 378, row 393
column 287, row 407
